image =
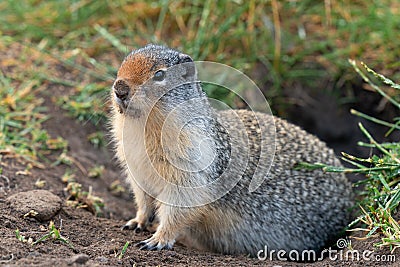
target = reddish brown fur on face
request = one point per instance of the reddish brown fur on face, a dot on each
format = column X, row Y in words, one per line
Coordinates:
column 137, row 69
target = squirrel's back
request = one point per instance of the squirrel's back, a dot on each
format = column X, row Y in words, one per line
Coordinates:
column 292, row 209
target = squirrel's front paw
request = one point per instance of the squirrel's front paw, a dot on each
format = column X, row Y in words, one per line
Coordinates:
column 155, row 243
column 141, row 224
column 133, row 224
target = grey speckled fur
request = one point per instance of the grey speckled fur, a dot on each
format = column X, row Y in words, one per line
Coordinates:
column 292, row 209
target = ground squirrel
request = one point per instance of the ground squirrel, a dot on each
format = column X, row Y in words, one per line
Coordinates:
column 159, row 122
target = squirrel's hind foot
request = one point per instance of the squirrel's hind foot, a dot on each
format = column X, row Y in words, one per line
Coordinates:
column 154, row 243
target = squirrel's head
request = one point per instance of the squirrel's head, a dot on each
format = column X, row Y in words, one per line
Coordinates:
column 154, row 76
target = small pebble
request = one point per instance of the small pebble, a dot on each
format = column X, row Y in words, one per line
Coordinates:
column 7, row 224
column 170, row 253
column 33, row 254
column 39, row 204
column 79, row 259
column 102, row 259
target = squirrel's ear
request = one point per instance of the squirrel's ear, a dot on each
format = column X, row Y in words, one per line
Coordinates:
column 190, row 68
column 183, row 58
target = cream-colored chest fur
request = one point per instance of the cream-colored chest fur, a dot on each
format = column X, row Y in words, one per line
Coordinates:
column 158, row 154
column 133, row 155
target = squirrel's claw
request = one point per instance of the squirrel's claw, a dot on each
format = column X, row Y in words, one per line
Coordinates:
column 154, row 244
column 132, row 225
column 138, row 227
column 139, row 224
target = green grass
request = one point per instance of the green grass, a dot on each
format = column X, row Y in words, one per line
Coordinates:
column 123, row 251
column 292, row 42
column 380, row 195
column 54, row 234
column 79, row 198
column 21, row 119
column 87, row 104
column 20, row 237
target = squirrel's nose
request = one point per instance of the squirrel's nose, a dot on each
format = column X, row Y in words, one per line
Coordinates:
column 121, row 89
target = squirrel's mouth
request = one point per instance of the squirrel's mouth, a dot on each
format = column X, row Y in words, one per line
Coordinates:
column 121, row 104
column 131, row 107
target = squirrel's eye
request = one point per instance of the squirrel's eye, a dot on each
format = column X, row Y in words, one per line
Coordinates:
column 159, row 75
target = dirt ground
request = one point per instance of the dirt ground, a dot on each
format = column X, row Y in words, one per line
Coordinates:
column 96, row 241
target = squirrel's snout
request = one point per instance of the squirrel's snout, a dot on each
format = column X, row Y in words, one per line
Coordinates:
column 121, row 89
